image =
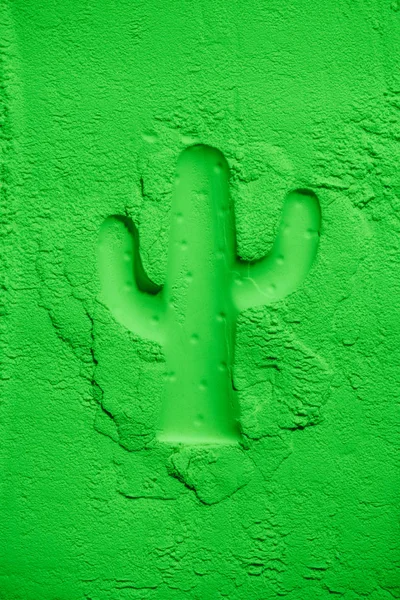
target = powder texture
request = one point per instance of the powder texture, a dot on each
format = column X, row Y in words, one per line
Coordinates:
column 98, row 100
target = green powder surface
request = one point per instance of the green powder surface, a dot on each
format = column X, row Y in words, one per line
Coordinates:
column 99, row 102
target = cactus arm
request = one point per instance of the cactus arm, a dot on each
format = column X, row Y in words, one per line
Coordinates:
column 265, row 281
column 133, row 299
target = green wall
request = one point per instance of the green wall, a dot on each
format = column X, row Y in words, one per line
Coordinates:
column 99, row 100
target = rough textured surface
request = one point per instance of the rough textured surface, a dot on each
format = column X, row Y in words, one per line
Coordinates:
column 97, row 102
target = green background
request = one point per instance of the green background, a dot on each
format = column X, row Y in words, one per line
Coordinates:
column 98, row 101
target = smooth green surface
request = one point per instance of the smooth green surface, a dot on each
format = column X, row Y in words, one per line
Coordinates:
column 99, row 101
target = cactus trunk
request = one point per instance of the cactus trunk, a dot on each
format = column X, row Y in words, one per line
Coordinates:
column 200, row 404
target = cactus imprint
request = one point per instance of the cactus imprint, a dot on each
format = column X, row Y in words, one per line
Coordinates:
column 193, row 315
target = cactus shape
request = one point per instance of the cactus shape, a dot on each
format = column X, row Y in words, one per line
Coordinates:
column 193, row 316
